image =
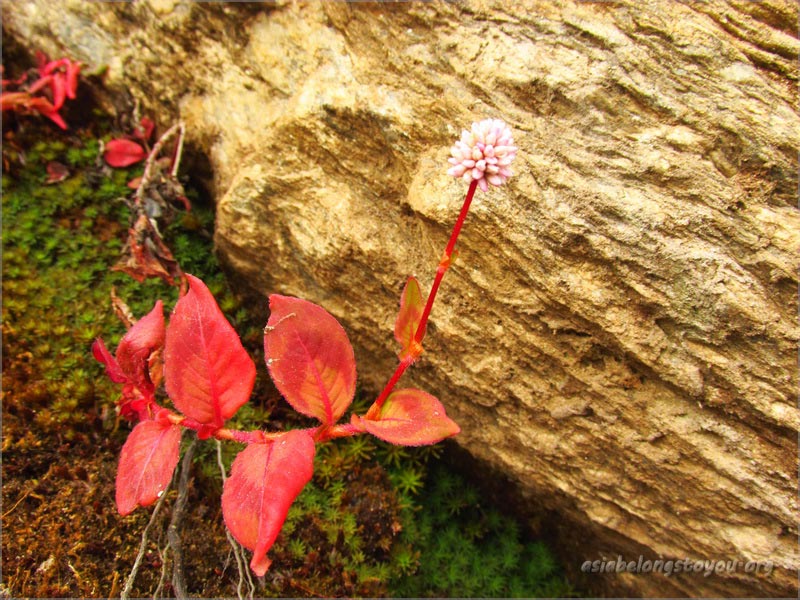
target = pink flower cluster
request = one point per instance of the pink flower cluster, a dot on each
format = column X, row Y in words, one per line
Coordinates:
column 483, row 154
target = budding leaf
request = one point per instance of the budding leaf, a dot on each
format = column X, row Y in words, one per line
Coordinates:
column 411, row 308
column 146, row 464
column 113, row 370
column 135, row 351
column 309, row 358
column 123, row 153
column 145, row 129
column 138, row 344
column 73, row 70
column 410, row 417
column 265, row 479
column 208, row 372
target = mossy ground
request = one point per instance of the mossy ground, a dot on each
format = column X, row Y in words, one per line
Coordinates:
column 61, row 533
column 376, row 519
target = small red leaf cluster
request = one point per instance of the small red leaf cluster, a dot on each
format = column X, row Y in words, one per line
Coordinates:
column 137, row 364
column 129, row 150
column 208, row 376
column 57, row 80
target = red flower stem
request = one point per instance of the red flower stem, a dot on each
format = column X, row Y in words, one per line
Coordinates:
column 444, row 264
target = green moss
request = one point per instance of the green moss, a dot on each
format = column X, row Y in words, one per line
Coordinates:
column 345, row 522
column 59, row 244
column 407, row 480
column 297, row 548
column 468, row 550
column 450, row 545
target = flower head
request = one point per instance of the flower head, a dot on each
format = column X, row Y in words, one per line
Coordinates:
column 483, row 154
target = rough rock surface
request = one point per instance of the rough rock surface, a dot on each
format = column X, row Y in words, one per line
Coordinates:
column 619, row 333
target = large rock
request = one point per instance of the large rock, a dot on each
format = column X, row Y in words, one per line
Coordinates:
column 619, row 333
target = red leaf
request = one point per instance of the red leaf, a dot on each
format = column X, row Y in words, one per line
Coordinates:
column 59, row 87
column 309, row 358
column 138, row 363
column 123, row 153
column 138, row 345
column 113, row 369
column 265, row 479
column 411, row 307
column 73, row 70
column 56, row 172
column 410, row 418
column 145, row 129
column 56, row 118
column 13, row 100
column 43, row 106
column 53, row 66
column 208, row 373
column 41, row 83
column 146, row 464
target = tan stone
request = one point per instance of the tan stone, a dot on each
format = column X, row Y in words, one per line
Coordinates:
column 619, row 333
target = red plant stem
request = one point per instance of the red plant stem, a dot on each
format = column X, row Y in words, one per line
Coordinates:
column 376, row 406
column 444, row 264
column 234, row 435
column 322, row 433
column 325, row 433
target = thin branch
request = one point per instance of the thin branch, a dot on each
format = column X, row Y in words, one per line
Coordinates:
column 238, row 551
column 176, row 161
column 151, row 159
column 173, row 531
column 441, row 269
column 126, row 590
column 162, row 554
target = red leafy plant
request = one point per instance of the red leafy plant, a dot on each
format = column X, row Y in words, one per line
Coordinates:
column 208, row 376
column 57, row 81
